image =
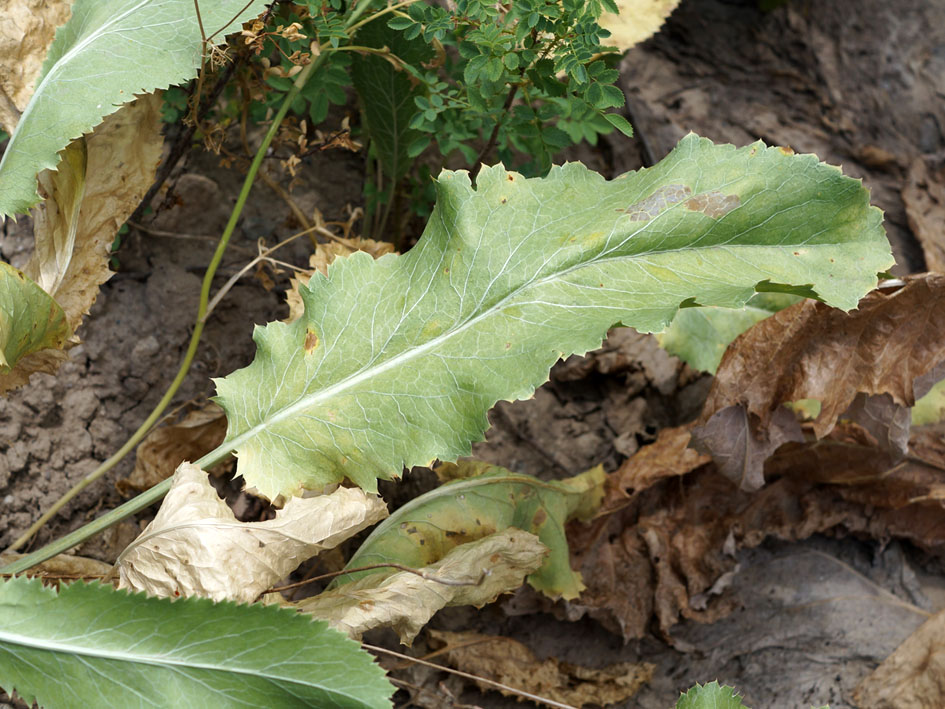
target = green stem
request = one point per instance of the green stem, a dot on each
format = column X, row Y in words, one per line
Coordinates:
column 151, row 496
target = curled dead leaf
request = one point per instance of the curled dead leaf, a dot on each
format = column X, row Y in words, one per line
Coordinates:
column 638, row 20
column 475, row 574
column 195, row 545
column 158, row 456
column 892, row 346
column 673, row 534
column 511, row 663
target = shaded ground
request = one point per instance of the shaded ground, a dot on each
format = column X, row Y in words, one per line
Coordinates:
column 864, row 89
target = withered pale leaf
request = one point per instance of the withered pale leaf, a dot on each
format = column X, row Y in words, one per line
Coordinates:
column 319, row 261
column 913, row 677
column 511, row 663
column 56, row 223
column 158, row 456
column 893, row 345
column 196, row 547
column 638, row 20
column 405, row 601
column 123, row 153
column 26, row 32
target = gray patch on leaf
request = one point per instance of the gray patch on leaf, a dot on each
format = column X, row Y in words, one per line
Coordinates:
column 664, row 197
column 713, row 204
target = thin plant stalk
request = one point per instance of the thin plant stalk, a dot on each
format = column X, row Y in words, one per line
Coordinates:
column 148, row 497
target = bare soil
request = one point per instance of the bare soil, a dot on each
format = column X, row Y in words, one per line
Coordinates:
column 863, row 88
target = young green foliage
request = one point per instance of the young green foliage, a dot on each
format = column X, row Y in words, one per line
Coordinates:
column 396, row 361
column 122, row 650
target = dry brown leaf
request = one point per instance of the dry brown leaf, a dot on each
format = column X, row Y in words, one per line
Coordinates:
column 158, row 456
column 893, row 345
column 61, row 565
column 924, row 199
column 913, row 677
column 322, row 258
column 662, row 553
column 26, row 32
column 123, row 153
column 638, row 20
column 511, row 663
column 195, row 545
column 405, row 601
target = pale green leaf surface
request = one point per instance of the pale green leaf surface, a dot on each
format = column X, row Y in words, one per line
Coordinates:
column 425, row 529
column 92, row 646
column 30, row 320
column 396, row 361
column 700, row 336
column 105, row 54
column 710, row 696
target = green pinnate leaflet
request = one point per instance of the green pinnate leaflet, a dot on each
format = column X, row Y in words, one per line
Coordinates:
column 116, row 649
column 397, row 361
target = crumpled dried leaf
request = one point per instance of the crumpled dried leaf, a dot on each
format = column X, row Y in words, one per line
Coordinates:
column 26, row 32
column 56, row 223
column 405, row 601
column 322, row 258
column 123, row 153
column 912, row 677
column 638, row 20
column 195, row 545
column 158, row 456
column 924, row 198
column 511, row 663
column 662, row 552
column 894, row 345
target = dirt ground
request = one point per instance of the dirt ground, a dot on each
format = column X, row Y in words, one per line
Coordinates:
column 861, row 88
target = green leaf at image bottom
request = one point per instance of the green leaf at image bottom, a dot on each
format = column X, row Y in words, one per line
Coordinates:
column 487, row 499
column 30, row 320
column 90, row 645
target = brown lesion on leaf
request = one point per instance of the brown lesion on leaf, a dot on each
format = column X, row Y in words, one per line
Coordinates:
column 652, row 206
column 311, row 341
column 713, row 204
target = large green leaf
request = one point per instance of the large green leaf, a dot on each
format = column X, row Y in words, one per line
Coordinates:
column 425, row 529
column 396, row 361
column 30, row 320
column 700, row 336
column 387, row 94
column 91, row 645
column 106, row 53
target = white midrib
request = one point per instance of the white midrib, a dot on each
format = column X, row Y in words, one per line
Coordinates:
column 8, row 638
column 369, row 373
